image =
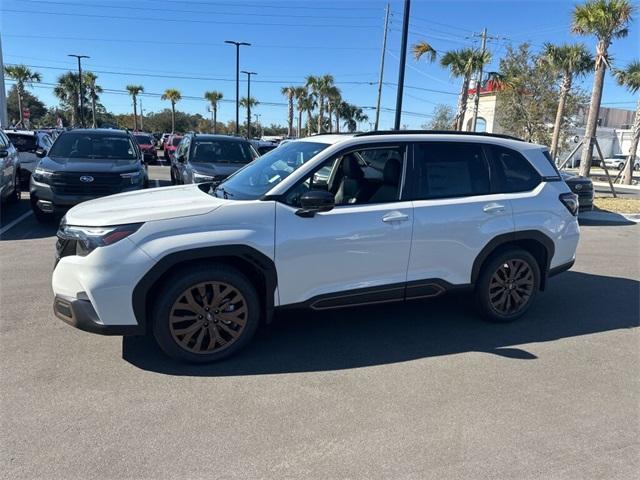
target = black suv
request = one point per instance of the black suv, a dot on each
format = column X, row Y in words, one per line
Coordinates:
column 209, row 158
column 84, row 164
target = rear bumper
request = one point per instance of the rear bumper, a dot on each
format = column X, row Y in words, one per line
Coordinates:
column 82, row 315
column 561, row 268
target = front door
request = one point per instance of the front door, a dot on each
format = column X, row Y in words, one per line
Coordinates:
column 358, row 252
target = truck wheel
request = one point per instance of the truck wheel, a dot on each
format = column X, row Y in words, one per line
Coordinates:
column 507, row 285
column 206, row 314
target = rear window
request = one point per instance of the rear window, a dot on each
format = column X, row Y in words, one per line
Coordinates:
column 514, row 173
column 94, row 146
column 220, row 151
column 448, row 170
column 143, row 139
column 23, row 143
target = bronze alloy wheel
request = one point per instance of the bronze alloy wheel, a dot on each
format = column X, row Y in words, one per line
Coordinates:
column 208, row 317
column 511, row 287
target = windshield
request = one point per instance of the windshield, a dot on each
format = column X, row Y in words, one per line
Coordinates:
column 220, row 151
column 23, row 143
column 260, row 176
column 143, row 139
column 93, row 145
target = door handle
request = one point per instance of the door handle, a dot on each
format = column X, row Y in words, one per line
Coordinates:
column 493, row 208
column 395, row 217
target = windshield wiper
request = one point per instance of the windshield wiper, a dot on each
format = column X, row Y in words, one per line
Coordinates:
column 225, row 194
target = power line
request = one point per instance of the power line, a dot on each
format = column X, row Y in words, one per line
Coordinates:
column 176, row 20
column 262, row 6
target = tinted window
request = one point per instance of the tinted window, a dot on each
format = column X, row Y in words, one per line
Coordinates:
column 143, row 139
column 513, row 172
column 447, row 170
column 176, row 141
column 93, row 145
column 221, row 151
column 23, row 143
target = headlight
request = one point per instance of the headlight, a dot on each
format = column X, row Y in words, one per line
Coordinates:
column 200, row 178
column 133, row 176
column 89, row 238
column 41, row 175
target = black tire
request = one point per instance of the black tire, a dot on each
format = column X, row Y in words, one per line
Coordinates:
column 15, row 194
column 173, row 178
column 490, row 294
column 42, row 217
column 169, row 299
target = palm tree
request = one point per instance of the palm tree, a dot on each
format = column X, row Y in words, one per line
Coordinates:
column 94, row 89
column 134, row 91
column 174, row 96
column 66, row 91
column 607, row 20
column 300, row 93
column 351, row 115
column 568, row 61
column 22, row 75
column 423, row 49
column 248, row 103
column 630, row 78
column 308, row 103
column 213, row 98
column 320, row 87
column 290, row 93
column 462, row 63
column 333, row 100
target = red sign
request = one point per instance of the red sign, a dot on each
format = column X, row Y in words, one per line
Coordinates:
column 26, row 113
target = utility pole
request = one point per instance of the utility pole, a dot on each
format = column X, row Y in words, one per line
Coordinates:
column 141, row 114
column 80, row 88
column 4, row 123
column 384, row 49
column 403, row 61
column 248, row 74
column 476, row 100
column 238, row 45
column 258, row 124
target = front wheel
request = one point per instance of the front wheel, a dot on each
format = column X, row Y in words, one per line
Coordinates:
column 42, row 217
column 507, row 285
column 206, row 314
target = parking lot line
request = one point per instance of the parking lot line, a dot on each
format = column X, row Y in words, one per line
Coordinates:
column 15, row 222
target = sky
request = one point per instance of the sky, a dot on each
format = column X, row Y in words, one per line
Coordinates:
column 179, row 44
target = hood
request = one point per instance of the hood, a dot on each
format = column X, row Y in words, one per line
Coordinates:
column 216, row 169
column 143, row 206
column 88, row 165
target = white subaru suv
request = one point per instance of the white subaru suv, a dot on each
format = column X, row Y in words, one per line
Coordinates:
column 325, row 222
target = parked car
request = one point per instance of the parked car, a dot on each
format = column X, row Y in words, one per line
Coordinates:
column 618, row 161
column 200, row 266
column 163, row 140
column 582, row 187
column 147, row 146
column 84, row 164
column 29, row 143
column 209, row 158
column 9, row 171
column 170, row 146
column 262, row 146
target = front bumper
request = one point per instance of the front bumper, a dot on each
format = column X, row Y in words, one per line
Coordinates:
column 82, row 315
column 43, row 191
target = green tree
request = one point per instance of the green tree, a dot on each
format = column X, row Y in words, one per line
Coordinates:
column 66, row 90
column 442, row 118
column 334, row 98
column 94, row 90
column 214, row 97
column 351, row 115
column 22, row 75
column 37, row 109
column 606, row 20
column 174, row 96
column 320, row 87
column 568, row 61
column 462, row 63
column 290, row 93
column 134, row 91
column 423, row 49
column 248, row 104
column 300, row 94
column 630, row 78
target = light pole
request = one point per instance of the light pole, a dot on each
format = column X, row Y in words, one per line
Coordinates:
column 403, row 61
column 80, row 91
column 238, row 45
column 248, row 74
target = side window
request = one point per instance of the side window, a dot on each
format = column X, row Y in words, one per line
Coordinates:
column 366, row 176
column 3, row 141
column 449, row 170
column 513, row 172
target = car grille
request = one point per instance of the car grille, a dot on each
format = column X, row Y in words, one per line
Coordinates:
column 69, row 183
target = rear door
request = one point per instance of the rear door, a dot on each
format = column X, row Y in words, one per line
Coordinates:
column 456, row 213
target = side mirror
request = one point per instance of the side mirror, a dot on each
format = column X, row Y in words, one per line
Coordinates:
column 315, row 201
column 41, row 152
column 4, row 153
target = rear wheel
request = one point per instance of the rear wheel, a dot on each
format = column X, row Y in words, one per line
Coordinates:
column 507, row 285
column 206, row 314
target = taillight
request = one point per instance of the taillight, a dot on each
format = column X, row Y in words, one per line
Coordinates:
column 570, row 200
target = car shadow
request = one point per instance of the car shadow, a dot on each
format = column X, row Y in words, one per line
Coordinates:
column 306, row 341
column 603, row 218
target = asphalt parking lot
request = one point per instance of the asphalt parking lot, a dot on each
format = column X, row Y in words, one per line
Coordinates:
column 419, row 391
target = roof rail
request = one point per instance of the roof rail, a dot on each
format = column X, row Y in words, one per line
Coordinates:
column 334, row 133
column 436, row 132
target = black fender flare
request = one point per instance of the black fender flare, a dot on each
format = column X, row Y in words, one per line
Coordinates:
column 248, row 254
